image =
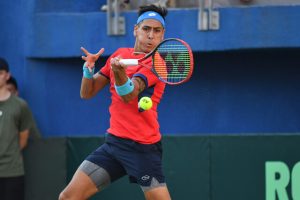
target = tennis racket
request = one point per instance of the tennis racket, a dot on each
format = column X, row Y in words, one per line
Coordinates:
column 172, row 61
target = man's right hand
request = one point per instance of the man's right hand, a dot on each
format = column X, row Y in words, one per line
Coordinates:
column 90, row 58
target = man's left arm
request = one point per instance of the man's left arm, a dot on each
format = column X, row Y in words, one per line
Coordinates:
column 26, row 119
column 23, row 138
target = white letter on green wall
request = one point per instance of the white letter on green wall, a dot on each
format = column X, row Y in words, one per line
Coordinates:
column 277, row 179
column 296, row 181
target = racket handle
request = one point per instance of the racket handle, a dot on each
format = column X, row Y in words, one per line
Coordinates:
column 129, row 62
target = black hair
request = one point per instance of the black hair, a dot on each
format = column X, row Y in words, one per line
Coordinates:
column 160, row 10
column 12, row 81
column 4, row 65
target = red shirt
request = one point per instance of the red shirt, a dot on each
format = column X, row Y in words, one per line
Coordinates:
column 126, row 121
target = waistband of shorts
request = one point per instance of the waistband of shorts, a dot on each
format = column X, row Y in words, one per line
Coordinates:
column 113, row 138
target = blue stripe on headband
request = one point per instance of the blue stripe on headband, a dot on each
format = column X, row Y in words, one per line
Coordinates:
column 151, row 15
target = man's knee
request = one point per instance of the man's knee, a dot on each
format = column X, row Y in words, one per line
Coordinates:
column 63, row 196
column 157, row 193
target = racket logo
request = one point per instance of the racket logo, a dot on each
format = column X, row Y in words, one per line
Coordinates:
column 176, row 65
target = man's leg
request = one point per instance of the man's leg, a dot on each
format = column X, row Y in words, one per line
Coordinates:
column 158, row 193
column 87, row 180
column 90, row 177
column 81, row 187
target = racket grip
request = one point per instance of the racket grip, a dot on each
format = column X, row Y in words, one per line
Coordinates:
column 129, row 62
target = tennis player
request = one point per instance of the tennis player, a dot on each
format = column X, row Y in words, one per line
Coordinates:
column 133, row 140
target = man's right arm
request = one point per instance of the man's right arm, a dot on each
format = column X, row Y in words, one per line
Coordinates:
column 90, row 87
column 91, row 83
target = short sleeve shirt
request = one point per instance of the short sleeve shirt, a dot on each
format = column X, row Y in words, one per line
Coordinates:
column 15, row 117
column 126, row 120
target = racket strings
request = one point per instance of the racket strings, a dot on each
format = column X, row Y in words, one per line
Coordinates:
column 172, row 62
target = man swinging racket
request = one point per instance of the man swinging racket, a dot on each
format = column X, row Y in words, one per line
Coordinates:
column 133, row 141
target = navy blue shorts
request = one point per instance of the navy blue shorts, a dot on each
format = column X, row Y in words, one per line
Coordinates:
column 119, row 157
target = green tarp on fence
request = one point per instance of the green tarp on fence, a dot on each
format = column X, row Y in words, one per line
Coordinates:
column 196, row 167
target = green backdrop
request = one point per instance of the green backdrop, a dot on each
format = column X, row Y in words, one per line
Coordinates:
column 196, row 167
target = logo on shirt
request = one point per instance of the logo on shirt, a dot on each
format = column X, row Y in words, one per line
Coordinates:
column 1, row 113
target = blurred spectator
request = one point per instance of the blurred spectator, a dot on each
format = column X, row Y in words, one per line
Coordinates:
column 162, row 3
column 123, row 5
column 14, row 133
column 134, row 4
column 12, row 86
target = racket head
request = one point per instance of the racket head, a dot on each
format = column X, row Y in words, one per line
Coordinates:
column 172, row 61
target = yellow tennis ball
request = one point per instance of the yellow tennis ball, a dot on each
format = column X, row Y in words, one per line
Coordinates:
column 145, row 103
